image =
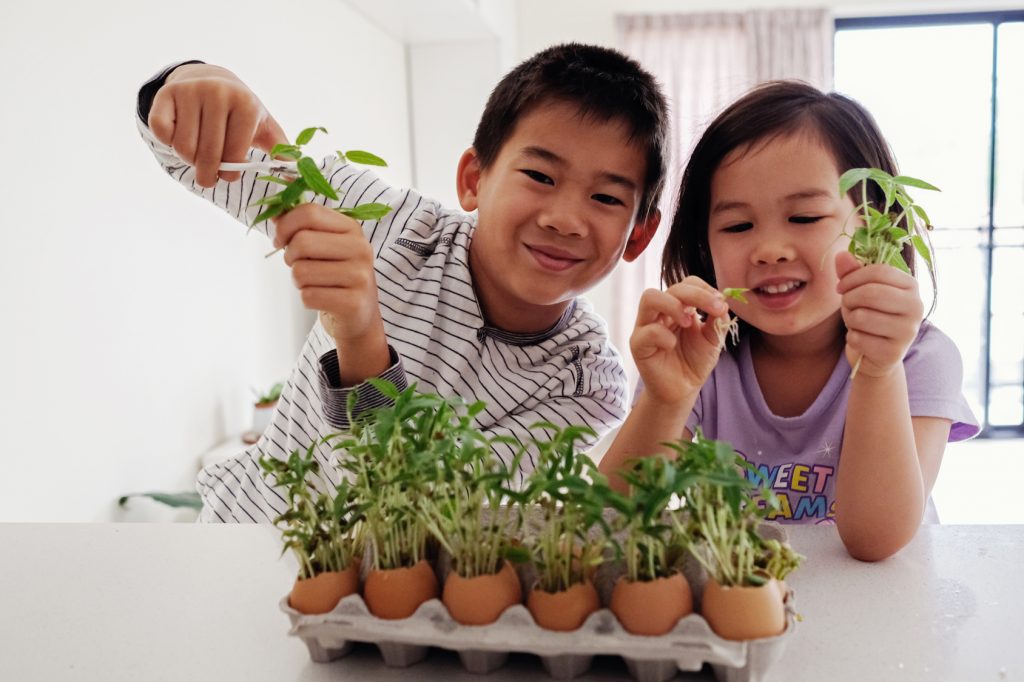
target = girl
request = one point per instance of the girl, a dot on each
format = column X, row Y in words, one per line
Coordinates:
column 759, row 208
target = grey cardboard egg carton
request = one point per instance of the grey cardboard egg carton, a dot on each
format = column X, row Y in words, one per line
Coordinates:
column 565, row 655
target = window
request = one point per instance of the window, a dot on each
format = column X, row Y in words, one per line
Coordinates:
column 948, row 92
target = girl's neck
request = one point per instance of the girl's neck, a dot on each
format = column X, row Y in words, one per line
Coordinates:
column 810, row 356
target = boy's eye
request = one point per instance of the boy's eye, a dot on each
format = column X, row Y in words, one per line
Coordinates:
column 537, row 176
column 739, row 227
column 608, row 199
column 805, row 219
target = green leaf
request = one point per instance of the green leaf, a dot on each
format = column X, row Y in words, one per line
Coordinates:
column 271, row 212
column 851, row 177
column 366, row 211
column 272, row 200
column 922, row 249
column 914, row 182
column 315, row 179
column 292, row 194
column 736, row 293
column 287, row 150
column 365, row 158
column 307, row 135
column 191, row 500
column 272, row 178
column 922, row 215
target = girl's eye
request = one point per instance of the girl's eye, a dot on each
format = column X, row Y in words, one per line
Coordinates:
column 537, row 176
column 608, row 200
column 739, row 227
column 805, row 219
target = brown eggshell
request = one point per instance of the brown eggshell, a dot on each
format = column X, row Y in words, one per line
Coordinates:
column 566, row 610
column 651, row 607
column 322, row 592
column 744, row 612
column 397, row 593
column 482, row 599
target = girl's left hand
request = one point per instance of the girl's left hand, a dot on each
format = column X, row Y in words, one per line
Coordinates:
column 882, row 309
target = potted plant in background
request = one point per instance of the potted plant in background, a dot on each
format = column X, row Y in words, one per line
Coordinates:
column 653, row 594
column 390, row 454
column 262, row 410
column 742, row 598
column 469, row 515
column 322, row 529
column 561, row 503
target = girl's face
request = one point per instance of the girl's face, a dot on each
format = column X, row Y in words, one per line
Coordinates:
column 774, row 227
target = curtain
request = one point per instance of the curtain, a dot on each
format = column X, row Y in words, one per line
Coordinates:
column 704, row 62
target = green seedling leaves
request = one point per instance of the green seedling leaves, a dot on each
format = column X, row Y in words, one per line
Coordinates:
column 361, row 157
column 366, row 211
column 315, row 179
column 736, row 293
column 306, row 135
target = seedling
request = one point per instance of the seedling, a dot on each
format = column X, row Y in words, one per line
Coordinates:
column 321, row 529
column 884, row 233
column 562, row 500
column 270, row 396
column 311, row 180
column 731, row 329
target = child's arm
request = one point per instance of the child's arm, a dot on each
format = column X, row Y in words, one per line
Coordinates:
column 675, row 352
column 889, row 460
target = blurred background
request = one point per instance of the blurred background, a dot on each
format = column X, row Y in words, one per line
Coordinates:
column 141, row 326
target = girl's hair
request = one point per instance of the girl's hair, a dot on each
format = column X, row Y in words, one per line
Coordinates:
column 771, row 110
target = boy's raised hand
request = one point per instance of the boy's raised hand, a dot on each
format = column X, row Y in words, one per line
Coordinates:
column 882, row 309
column 673, row 348
column 332, row 266
column 208, row 116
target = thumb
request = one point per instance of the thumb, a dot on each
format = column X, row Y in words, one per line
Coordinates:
column 268, row 133
column 846, row 263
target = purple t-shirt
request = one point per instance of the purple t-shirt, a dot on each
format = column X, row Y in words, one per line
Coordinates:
column 798, row 456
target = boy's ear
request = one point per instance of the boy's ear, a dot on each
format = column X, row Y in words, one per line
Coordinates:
column 641, row 236
column 467, row 179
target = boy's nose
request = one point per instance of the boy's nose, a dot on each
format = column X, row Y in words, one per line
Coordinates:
column 565, row 216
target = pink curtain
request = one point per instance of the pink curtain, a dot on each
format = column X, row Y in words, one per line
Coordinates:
column 704, row 62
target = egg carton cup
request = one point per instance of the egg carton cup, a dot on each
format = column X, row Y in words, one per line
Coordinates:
column 565, row 655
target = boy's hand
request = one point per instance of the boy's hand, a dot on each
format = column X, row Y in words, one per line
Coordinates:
column 210, row 116
column 674, row 349
column 332, row 266
column 882, row 309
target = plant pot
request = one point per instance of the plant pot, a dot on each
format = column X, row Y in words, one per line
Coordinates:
column 322, row 592
column 651, row 607
column 398, row 592
column 566, row 610
column 481, row 600
column 261, row 414
column 744, row 612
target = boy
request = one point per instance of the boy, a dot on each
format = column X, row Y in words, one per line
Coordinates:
column 565, row 172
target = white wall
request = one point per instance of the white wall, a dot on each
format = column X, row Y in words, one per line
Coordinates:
column 135, row 318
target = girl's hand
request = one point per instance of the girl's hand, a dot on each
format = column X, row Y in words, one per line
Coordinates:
column 209, row 116
column 674, row 349
column 332, row 266
column 882, row 309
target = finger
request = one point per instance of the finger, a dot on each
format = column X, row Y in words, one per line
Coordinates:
column 241, row 127
column 846, row 263
column 210, row 145
column 268, row 133
column 161, row 117
column 328, row 246
column 883, row 298
column 655, row 304
column 882, row 274
column 648, row 341
column 320, row 273
column 311, row 217
column 878, row 349
column 694, row 292
column 186, row 132
column 880, row 324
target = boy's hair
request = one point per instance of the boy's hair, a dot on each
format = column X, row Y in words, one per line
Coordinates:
column 770, row 110
column 603, row 83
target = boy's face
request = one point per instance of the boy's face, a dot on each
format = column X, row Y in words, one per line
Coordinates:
column 557, row 209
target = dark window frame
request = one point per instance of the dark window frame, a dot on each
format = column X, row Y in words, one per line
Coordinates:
column 994, row 18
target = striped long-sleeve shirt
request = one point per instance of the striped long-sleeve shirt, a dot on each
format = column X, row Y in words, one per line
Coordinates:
column 569, row 374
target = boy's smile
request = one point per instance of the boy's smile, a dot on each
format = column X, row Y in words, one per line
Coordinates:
column 774, row 227
column 556, row 212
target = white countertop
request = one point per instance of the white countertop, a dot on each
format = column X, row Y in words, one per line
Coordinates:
column 195, row 602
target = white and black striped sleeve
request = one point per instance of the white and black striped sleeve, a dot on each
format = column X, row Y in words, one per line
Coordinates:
column 335, row 397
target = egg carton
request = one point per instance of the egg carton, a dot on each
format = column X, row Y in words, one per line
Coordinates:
column 565, row 655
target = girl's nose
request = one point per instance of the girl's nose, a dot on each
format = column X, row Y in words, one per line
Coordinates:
column 771, row 251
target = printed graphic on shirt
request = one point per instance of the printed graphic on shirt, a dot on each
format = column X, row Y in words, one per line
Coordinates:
column 803, row 488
